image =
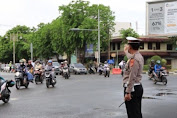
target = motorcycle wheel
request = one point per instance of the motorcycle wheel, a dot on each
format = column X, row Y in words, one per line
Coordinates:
column 155, row 81
column 164, row 80
column 47, row 84
column 100, row 73
column 6, row 100
column 42, row 80
column 18, row 85
column 35, row 79
column 108, row 74
column 26, row 85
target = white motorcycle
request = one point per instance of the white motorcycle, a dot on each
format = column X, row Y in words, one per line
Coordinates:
column 66, row 74
column 106, row 71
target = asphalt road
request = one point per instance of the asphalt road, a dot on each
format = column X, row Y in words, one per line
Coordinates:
column 88, row 96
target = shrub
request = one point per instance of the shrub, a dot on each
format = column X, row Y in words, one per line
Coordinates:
column 163, row 62
column 155, row 58
column 146, row 67
column 168, row 67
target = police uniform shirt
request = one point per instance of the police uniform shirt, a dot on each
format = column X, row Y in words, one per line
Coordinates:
column 133, row 71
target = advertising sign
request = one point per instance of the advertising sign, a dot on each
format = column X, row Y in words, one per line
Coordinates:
column 162, row 17
column 156, row 18
column 89, row 51
column 171, row 17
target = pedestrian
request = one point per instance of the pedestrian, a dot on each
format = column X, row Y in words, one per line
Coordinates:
column 133, row 90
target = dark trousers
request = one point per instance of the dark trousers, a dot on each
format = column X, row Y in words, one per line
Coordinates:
column 134, row 105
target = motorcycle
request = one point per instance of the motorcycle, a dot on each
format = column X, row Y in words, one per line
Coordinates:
column 21, row 79
column 49, row 79
column 92, row 70
column 66, row 73
column 100, row 70
column 38, row 76
column 5, row 92
column 150, row 73
column 106, row 71
column 162, row 77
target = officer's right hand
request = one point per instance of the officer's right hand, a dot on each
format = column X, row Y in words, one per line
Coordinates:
column 127, row 97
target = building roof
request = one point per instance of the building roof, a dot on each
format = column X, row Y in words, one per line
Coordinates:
column 147, row 53
column 144, row 39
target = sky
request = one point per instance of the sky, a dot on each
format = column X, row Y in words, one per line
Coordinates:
column 33, row 12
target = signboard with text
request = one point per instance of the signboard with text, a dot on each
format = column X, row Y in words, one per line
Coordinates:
column 162, row 18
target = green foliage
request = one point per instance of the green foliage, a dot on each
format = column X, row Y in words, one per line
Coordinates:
column 163, row 62
column 128, row 32
column 125, row 58
column 148, row 61
column 80, row 14
column 168, row 67
column 146, row 67
column 173, row 41
column 56, row 38
column 155, row 58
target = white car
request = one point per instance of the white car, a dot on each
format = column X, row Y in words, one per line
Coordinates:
column 78, row 68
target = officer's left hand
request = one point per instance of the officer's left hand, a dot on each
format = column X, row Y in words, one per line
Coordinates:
column 127, row 97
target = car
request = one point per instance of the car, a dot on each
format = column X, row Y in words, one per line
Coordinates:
column 78, row 68
column 56, row 67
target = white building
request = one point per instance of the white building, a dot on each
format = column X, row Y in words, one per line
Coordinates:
column 120, row 25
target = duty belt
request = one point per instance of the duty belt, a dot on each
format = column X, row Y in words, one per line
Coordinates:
column 135, row 84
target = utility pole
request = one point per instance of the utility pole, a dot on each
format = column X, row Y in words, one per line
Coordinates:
column 31, row 49
column 98, row 36
column 14, row 37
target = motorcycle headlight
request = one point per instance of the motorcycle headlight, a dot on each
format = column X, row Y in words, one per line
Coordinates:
column 17, row 74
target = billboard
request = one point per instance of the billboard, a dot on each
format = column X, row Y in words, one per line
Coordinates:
column 161, row 18
column 89, row 50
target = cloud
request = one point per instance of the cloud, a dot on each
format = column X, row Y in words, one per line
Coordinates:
column 33, row 12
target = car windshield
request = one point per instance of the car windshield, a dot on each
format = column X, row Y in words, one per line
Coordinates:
column 79, row 65
column 56, row 64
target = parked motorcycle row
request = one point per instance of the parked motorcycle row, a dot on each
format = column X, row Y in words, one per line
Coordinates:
column 160, row 76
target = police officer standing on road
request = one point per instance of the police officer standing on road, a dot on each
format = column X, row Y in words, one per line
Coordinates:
column 133, row 90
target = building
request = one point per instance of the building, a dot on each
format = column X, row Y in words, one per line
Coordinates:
column 120, row 25
column 149, row 47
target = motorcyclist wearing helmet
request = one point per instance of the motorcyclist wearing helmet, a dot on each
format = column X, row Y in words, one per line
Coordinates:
column 151, row 66
column 38, row 66
column 157, row 67
column 106, row 64
column 49, row 67
column 22, row 65
column 66, row 63
column 22, row 68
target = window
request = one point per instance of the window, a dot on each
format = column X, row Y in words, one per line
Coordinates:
column 169, row 46
column 150, row 46
column 113, row 46
column 157, row 46
column 118, row 46
column 142, row 46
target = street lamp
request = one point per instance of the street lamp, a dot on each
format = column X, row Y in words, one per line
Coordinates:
column 14, row 37
column 78, row 29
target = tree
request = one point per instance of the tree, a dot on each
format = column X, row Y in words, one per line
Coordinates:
column 22, row 50
column 79, row 14
column 128, row 32
column 43, row 42
column 173, row 40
